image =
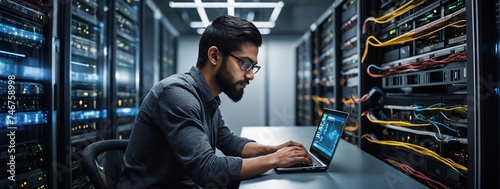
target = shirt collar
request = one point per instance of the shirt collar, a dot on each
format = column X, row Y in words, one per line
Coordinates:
column 201, row 85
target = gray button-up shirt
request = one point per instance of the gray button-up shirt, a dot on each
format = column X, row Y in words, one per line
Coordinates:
column 173, row 141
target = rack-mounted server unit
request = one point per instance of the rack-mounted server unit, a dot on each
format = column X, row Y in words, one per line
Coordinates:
column 25, row 94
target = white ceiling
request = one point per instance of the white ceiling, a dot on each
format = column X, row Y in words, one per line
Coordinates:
column 295, row 18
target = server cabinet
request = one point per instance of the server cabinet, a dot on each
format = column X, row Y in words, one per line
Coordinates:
column 304, row 109
column 317, row 71
column 349, row 15
column 26, row 106
column 323, row 66
column 83, row 96
column 168, row 49
column 125, row 48
column 423, row 85
column 158, row 52
column 483, row 91
column 415, row 52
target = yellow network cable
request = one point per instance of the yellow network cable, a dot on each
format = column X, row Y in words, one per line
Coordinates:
column 395, row 123
column 349, row 101
column 459, row 108
column 408, row 36
column 398, row 12
column 350, row 127
column 318, row 99
column 325, row 100
column 419, row 149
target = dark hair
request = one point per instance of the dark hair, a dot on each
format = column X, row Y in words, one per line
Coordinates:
column 227, row 33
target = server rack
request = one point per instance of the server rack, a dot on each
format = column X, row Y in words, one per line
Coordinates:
column 158, row 54
column 317, row 71
column 349, row 15
column 323, row 67
column 424, row 78
column 304, row 109
column 419, row 63
column 168, row 50
column 125, row 49
column 82, row 86
column 26, row 108
column 55, row 65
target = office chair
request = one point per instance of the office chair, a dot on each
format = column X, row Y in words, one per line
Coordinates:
column 102, row 161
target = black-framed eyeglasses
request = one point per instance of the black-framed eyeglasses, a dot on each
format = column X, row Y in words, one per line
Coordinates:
column 246, row 64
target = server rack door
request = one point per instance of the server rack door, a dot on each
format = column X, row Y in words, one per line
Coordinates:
column 83, row 82
column 25, row 94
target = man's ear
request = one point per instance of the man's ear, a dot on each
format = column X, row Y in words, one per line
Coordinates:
column 213, row 55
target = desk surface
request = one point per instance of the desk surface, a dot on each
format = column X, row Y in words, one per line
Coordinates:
column 350, row 167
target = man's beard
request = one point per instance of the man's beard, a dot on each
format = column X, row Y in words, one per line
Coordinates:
column 224, row 78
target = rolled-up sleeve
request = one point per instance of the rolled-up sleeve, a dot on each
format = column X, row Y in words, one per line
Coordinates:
column 182, row 124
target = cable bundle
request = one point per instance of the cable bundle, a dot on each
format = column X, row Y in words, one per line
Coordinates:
column 422, row 150
column 389, row 16
column 406, row 168
column 415, row 66
column 415, row 34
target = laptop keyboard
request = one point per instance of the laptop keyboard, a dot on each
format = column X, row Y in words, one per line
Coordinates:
column 315, row 163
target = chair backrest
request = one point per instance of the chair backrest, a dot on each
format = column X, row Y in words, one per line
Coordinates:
column 102, row 162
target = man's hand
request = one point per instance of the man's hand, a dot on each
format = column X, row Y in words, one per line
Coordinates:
column 289, row 143
column 253, row 149
column 260, row 158
column 291, row 155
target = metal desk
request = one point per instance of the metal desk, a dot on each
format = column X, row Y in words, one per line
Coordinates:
column 351, row 168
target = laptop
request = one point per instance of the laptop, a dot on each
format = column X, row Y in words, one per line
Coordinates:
column 324, row 143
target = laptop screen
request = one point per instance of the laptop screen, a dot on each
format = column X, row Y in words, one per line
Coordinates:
column 329, row 130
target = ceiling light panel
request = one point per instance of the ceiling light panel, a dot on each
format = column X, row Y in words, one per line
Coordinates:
column 262, row 14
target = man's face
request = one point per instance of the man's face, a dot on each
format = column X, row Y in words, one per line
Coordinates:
column 230, row 78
